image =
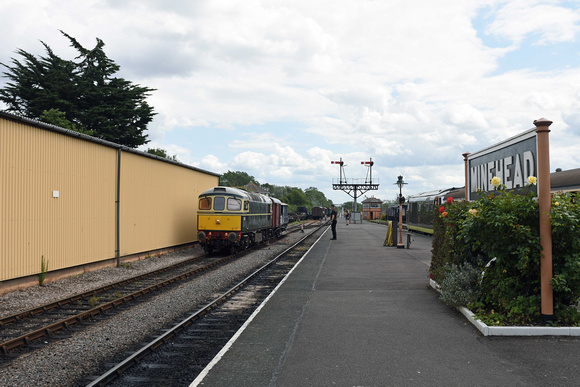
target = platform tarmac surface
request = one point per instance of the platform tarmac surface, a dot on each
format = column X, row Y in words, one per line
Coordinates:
column 357, row 313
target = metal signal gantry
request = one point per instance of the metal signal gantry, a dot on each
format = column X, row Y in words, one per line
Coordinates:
column 355, row 187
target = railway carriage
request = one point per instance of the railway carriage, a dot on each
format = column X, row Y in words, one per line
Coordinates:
column 279, row 217
column 231, row 218
column 318, row 212
column 421, row 206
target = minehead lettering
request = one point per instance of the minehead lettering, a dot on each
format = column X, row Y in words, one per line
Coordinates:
column 512, row 161
column 511, row 174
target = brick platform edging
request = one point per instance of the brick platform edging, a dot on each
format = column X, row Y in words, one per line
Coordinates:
column 487, row 330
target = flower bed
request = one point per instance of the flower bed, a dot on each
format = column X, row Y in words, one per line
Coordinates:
column 486, row 257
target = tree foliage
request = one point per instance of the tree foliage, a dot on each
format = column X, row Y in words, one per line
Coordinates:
column 316, row 198
column 57, row 118
column 296, row 197
column 161, row 153
column 236, row 179
column 292, row 196
column 277, row 191
column 84, row 90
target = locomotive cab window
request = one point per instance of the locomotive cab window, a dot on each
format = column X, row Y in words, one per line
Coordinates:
column 246, row 206
column 234, row 204
column 205, row 204
column 219, row 203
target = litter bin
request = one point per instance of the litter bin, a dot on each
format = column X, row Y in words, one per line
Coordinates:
column 410, row 239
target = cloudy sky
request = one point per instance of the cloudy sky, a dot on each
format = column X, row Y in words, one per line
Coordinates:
column 280, row 88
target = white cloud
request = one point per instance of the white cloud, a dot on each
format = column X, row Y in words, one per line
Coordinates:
column 212, row 163
column 280, row 88
column 548, row 21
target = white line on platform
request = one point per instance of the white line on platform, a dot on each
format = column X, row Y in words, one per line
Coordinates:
column 229, row 344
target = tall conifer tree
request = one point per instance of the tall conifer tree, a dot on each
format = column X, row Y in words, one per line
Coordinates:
column 84, row 89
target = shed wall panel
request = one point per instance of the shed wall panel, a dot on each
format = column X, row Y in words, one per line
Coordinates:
column 75, row 228
column 158, row 203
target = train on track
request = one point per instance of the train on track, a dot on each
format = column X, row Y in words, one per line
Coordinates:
column 233, row 219
column 302, row 213
column 420, row 207
column 319, row 212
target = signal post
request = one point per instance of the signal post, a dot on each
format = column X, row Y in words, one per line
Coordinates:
column 355, row 187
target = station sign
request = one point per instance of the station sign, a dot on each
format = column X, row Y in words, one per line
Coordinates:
column 513, row 161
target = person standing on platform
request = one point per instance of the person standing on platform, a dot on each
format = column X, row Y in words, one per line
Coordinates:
column 347, row 216
column 333, row 222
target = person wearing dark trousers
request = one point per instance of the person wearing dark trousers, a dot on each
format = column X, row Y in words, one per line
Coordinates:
column 333, row 221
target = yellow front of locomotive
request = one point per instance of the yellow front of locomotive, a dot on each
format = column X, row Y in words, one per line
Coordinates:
column 219, row 217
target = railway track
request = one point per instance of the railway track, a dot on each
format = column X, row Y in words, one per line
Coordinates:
column 26, row 328
column 21, row 332
column 179, row 353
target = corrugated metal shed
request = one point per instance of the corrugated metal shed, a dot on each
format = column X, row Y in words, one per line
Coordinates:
column 62, row 198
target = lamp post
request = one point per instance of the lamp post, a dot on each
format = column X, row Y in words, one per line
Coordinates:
column 400, row 183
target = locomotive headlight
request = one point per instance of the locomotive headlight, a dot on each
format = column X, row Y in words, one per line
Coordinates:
column 217, row 221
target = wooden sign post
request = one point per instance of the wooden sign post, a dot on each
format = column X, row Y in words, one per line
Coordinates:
column 545, row 202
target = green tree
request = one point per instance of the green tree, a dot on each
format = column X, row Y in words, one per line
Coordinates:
column 161, row 153
column 296, row 197
column 236, row 179
column 349, row 206
column 316, row 198
column 57, row 118
column 276, row 190
column 386, row 204
column 85, row 90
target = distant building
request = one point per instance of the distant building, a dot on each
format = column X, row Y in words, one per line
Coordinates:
column 371, row 208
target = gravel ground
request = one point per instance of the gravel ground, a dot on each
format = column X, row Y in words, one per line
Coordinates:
column 66, row 362
column 24, row 299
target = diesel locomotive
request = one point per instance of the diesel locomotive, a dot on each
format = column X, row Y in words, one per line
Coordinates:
column 233, row 219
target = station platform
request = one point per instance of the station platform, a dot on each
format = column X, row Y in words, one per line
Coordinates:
column 357, row 313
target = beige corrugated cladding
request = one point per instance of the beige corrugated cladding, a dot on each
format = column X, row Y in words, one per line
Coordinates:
column 158, row 203
column 58, row 200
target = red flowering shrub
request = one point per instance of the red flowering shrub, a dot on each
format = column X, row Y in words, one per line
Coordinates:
column 499, row 235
